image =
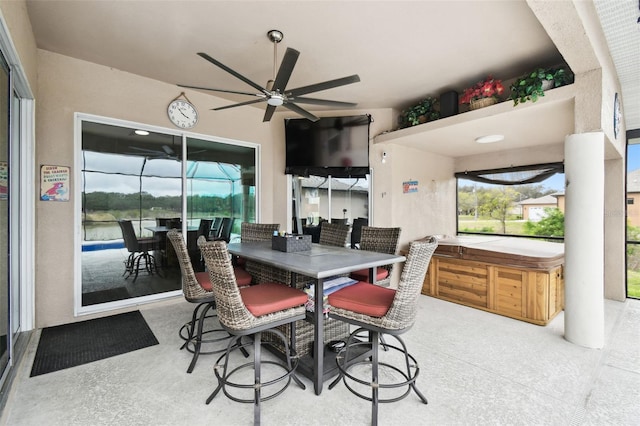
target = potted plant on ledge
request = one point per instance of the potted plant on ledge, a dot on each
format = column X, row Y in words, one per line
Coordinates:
column 532, row 86
column 426, row 110
column 483, row 93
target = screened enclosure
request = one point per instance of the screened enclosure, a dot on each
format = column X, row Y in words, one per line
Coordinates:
column 157, row 182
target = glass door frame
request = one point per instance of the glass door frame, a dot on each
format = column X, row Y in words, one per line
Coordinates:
column 79, row 118
column 21, row 217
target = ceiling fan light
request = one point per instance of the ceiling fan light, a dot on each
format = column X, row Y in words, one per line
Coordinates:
column 275, row 100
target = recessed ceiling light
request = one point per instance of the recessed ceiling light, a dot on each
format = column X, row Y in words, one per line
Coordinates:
column 490, row 138
column 141, row 132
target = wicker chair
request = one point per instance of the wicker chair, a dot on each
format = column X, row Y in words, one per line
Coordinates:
column 334, row 234
column 257, row 231
column 196, row 288
column 249, row 311
column 381, row 240
column 381, row 310
column 251, row 232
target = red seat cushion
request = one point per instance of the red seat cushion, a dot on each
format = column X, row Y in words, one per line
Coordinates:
column 267, row 298
column 204, row 280
column 363, row 298
column 363, row 274
column 242, row 277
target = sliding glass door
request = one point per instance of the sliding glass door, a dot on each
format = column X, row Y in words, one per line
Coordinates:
column 326, row 198
column 6, row 198
column 153, row 181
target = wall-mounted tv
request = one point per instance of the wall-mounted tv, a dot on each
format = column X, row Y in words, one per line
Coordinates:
column 337, row 146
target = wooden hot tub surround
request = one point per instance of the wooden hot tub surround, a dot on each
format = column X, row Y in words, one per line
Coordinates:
column 517, row 278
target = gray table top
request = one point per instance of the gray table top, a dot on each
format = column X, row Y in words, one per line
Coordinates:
column 320, row 262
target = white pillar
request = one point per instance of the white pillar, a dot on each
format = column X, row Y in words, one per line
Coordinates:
column 584, row 240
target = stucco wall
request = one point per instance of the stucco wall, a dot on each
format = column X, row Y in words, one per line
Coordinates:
column 67, row 86
column 432, row 208
column 14, row 13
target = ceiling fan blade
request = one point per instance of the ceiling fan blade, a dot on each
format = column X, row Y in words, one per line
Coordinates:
column 147, row 150
column 285, row 70
column 268, row 113
column 303, row 112
column 323, row 86
column 220, row 90
column 323, row 102
column 240, row 104
column 234, row 73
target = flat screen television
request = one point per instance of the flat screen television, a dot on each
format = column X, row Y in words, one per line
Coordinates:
column 337, row 146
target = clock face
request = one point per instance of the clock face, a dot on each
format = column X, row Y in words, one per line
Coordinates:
column 182, row 114
column 616, row 116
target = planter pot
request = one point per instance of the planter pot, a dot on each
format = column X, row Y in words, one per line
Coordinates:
column 547, row 84
column 481, row 103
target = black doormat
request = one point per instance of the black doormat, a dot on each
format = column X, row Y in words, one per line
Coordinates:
column 78, row 343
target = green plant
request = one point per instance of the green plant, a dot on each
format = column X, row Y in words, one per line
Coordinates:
column 530, row 86
column 427, row 109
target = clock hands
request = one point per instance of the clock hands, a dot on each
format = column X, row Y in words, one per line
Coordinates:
column 185, row 115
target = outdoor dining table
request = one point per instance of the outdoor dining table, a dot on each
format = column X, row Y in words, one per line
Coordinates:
column 320, row 262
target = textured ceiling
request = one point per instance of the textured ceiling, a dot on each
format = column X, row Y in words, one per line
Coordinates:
column 620, row 24
column 402, row 50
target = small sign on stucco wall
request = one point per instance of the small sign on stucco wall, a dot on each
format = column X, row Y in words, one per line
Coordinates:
column 410, row 186
column 54, row 183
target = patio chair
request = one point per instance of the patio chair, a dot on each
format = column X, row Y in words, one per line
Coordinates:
column 333, row 234
column 379, row 310
column 250, row 311
column 139, row 251
column 196, row 288
column 381, row 240
column 356, row 231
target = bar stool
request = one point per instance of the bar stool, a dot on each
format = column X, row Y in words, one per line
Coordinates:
column 333, row 234
column 249, row 311
column 381, row 310
column 196, row 288
column 380, row 240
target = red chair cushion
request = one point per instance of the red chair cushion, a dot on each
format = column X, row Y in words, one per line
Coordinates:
column 204, row 280
column 363, row 298
column 363, row 274
column 267, row 298
column 243, row 278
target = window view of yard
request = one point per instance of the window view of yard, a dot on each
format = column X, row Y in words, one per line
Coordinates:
column 534, row 210
column 633, row 220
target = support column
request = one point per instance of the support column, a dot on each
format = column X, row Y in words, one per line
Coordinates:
column 584, row 240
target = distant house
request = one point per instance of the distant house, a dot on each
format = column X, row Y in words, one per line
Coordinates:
column 533, row 208
column 633, row 198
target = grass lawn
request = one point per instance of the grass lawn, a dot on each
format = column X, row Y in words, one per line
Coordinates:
column 491, row 226
column 633, row 284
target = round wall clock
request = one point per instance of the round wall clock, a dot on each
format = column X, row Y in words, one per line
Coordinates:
column 182, row 113
column 616, row 115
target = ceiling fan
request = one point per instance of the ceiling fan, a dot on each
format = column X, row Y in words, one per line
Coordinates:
column 275, row 93
column 166, row 152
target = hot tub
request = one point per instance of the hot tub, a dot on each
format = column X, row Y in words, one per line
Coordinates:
column 515, row 277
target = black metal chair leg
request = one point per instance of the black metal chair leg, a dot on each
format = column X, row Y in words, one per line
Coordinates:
column 191, row 326
column 257, row 338
column 374, row 378
column 222, row 378
column 408, row 365
column 198, row 345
